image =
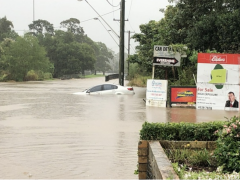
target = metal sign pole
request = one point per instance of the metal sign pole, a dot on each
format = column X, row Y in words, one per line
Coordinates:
column 153, row 70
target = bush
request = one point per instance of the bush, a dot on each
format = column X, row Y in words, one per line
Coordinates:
column 48, row 76
column 139, row 81
column 3, row 77
column 31, row 76
column 180, row 131
column 40, row 75
column 228, row 146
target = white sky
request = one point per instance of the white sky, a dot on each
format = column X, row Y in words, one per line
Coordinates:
column 138, row 12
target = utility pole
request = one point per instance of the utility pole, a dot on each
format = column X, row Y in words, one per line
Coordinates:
column 121, row 43
column 33, row 11
column 129, row 32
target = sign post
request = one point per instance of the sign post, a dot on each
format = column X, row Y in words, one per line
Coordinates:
column 165, row 57
column 157, row 89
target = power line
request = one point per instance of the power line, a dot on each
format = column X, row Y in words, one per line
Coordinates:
column 100, row 15
column 130, row 9
column 112, row 4
column 107, row 30
column 129, row 15
column 101, row 18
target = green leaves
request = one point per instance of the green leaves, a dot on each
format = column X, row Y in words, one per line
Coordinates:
column 228, row 146
column 23, row 55
column 41, row 26
column 180, row 131
column 103, row 57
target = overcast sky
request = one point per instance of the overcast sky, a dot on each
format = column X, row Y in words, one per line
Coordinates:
column 137, row 12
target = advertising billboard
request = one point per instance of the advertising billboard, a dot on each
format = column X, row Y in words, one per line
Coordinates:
column 156, row 94
column 183, row 96
column 218, row 81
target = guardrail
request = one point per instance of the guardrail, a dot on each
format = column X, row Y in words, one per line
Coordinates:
column 111, row 76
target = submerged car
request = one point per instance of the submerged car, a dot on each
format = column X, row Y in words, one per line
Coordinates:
column 108, row 89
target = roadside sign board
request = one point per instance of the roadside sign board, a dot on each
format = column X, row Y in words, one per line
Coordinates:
column 217, row 76
column 165, row 57
column 162, row 51
column 156, row 94
column 183, row 96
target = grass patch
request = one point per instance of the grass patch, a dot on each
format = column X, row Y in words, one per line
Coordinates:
column 197, row 159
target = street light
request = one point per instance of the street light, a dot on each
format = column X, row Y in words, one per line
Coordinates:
column 121, row 39
column 106, row 30
column 102, row 19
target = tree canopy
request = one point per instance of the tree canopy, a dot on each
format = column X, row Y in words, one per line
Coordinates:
column 202, row 26
column 48, row 50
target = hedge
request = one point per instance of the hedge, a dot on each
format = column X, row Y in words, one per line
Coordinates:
column 181, row 131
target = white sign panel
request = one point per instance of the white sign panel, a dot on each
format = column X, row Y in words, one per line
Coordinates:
column 156, row 94
column 218, row 82
column 211, row 98
column 163, row 51
column 165, row 57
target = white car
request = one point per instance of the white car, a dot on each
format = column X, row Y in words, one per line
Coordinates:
column 108, row 89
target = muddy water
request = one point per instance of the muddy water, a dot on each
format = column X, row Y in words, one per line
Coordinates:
column 48, row 132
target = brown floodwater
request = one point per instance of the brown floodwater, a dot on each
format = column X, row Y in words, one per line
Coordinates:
column 46, row 131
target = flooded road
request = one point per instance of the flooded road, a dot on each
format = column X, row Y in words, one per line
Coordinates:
column 48, row 132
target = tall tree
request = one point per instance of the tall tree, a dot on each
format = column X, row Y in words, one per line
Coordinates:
column 41, row 27
column 103, row 57
column 23, row 55
column 72, row 25
column 6, row 29
column 68, row 59
column 89, row 57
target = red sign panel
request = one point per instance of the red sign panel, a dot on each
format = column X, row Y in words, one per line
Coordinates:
column 183, row 95
column 214, row 58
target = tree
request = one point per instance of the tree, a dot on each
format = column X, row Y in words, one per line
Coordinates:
column 103, row 57
column 89, row 57
column 148, row 37
column 201, row 25
column 23, row 55
column 41, row 27
column 6, row 29
column 68, row 59
column 72, row 25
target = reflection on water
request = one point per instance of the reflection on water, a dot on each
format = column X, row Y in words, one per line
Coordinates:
column 48, row 132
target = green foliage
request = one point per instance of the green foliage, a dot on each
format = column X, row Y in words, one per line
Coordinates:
column 180, row 131
column 47, row 76
column 137, row 76
column 139, row 81
column 70, row 52
column 202, row 158
column 6, row 29
column 136, row 171
column 179, row 170
column 3, row 77
column 21, row 56
column 31, row 76
column 39, row 26
column 215, row 175
column 228, row 145
column 201, row 25
column 72, row 25
column 103, row 57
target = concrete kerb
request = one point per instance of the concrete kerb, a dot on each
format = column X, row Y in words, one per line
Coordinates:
column 153, row 163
